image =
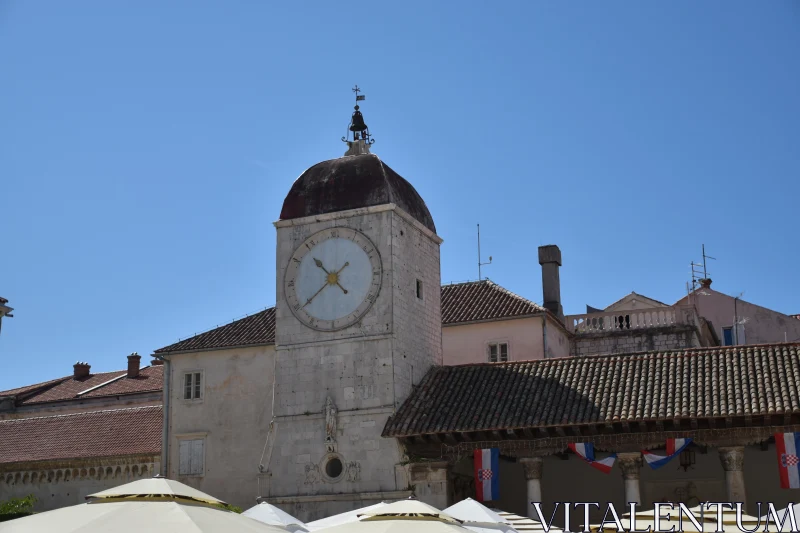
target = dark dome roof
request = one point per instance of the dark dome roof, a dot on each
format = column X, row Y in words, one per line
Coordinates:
column 351, row 182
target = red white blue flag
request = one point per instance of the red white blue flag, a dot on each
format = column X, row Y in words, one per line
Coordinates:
column 487, row 468
column 674, row 448
column 585, row 451
column 788, row 447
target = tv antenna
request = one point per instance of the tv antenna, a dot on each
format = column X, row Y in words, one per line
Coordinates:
column 696, row 273
column 479, row 254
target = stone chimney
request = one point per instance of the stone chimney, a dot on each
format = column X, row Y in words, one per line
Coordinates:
column 550, row 259
column 80, row 370
column 133, row 364
column 705, row 283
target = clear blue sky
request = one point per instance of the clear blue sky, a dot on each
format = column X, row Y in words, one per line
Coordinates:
column 146, row 148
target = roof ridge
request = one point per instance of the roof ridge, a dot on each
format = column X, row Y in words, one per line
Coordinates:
column 515, row 295
column 82, row 413
column 683, row 352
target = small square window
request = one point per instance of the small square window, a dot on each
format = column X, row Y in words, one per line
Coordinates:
column 419, row 289
column 192, row 386
column 498, row 352
column 191, row 457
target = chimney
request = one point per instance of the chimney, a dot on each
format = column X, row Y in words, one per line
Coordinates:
column 133, row 364
column 156, row 362
column 705, row 283
column 80, row 370
column 550, row 259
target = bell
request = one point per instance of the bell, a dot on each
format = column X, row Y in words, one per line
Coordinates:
column 358, row 122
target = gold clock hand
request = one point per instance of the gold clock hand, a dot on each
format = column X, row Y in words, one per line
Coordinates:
column 344, row 265
column 336, row 274
column 315, row 294
column 343, row 289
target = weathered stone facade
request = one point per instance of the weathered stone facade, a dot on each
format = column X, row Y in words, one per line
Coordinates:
column 636, row 341
column 57, row 484
column 367, row 370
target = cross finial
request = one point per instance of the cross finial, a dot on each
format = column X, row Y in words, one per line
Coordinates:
column 358, row 97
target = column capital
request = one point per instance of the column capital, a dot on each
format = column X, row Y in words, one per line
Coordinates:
column 532, row 466
column 630, row 463
column 732, row 458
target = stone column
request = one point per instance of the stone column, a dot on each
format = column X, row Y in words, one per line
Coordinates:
column 732, row 459
column 533, row 478
column 631, row 463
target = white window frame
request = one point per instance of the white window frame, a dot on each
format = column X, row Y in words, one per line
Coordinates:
column 499, row 344
column 187, row 442
column 194, row 386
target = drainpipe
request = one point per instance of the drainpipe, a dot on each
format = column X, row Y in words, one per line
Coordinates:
column 165, row 429
column 544, row 334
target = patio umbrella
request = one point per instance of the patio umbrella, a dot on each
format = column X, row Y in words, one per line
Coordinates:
column 269, row 514
column 400, row 517
column 478, row 518
column 342, row 518
column 153, row 505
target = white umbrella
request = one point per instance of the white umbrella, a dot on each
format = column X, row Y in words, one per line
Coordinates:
column 400, row 517
column 782, row 512
column 269, row 514
column 343, row 518
column 152, row 505
column 524, row 523
column 478, row 518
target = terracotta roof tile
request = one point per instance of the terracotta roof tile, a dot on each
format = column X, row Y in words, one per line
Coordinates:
column 150, row 379
column 483, row 300
column 254, row 329
column 68, row 388
column 94, row 434
column 461, row 302
column 704, row 383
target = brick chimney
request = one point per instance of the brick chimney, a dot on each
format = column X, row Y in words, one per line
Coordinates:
column 550, row 259
column 705, row 283
column 133, row 364
column 156, row 362
column 80, row 370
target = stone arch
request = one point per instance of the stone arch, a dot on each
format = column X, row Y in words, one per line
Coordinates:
column 35, row 477
column 75, row 473
column 59, row 475
column 118, row 472
column 17, row 478
column 26, row 478
column 67, row 474
column 83, row 473
column 126, row 471
column 109, row 472
column 135, row 470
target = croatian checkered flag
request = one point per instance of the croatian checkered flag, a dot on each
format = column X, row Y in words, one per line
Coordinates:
column 788, row 447
column 487, row 468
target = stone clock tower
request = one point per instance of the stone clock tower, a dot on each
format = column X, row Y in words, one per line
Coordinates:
column 358, row 323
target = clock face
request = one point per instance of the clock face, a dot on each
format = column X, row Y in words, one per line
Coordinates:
column 333, row 278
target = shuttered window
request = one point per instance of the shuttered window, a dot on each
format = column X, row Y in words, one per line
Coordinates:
column 192, row 386
column 191, row 454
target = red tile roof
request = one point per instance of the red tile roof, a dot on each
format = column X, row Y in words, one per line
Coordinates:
column 461, row 302
column 483, row 300
column 249, row 331
column 707, row 383
column 134, row 431
column 69, row 388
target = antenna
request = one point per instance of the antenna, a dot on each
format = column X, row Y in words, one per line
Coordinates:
column 479, row 254
column 705, row 273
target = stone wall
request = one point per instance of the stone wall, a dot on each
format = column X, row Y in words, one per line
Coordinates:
column 232, row 417
column 366, row 370
column 634, row 341
column 66, row 483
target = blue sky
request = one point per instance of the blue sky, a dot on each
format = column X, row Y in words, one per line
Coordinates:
column 146, row 148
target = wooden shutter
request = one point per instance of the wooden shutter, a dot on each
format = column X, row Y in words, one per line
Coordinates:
column 184, row 453
column 197, row 457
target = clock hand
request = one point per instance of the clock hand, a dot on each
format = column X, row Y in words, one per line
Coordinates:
column 337, row 277
column 315, row 294
column 319, row 264
column 343, row 289
column 342, row 267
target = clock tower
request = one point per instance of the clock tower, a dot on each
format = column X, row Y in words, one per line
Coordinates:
column 358, row 324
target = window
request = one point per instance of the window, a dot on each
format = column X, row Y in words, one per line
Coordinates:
column 727, row 336
column 498, row 352
column 191, row 457
column 419, row 289
column 192, row 386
